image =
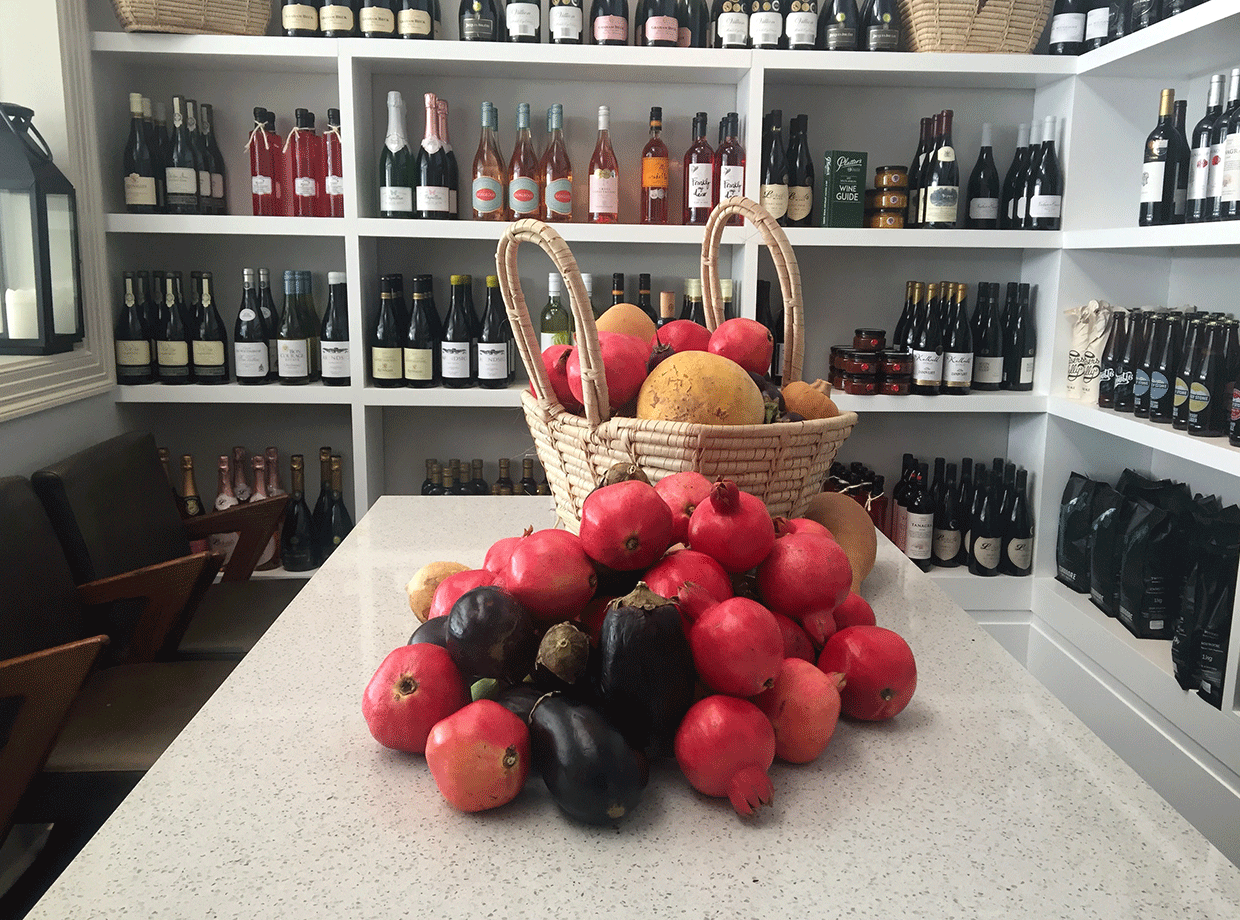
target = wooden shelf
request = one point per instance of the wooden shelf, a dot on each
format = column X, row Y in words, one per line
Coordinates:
column 312, row 394
column 226, row 224
column 973, row 403
column 1182, row 236
column 976, row 593
column 925, row 239
column 859, row 68
column 1199, row 41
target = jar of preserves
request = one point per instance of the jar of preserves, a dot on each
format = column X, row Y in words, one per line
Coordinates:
column 895, row 386
column 869, row 339
column 891, row 177
column 894, row 363
column 859, row 385
column 859, row 363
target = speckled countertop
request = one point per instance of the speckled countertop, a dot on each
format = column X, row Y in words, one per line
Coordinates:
column 984, row 798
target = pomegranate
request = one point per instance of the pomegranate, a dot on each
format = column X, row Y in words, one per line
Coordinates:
column 732, row 527
column 692, row 600
column 414, row 687
column 796, row 641
column 479, row 756
column 551, row 575
column 497, row 556
column 626, row 525
column 683, row 492
column 745, row 341
column 785, row 526
column 452, row 587
column 804, row 571
column 677, row 568
column 555, row 360
column 804, row 707
column 879, row 669
column 819, row 624
column 724, row 747
column 737, row 647
column 854, row 610
column 624, row 364
column 685, row 335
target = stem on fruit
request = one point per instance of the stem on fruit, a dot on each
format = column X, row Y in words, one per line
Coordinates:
column 887, row 693
column 406, row 685
column 510, row 757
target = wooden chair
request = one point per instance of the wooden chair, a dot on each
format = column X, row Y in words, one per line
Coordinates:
column 113, row 515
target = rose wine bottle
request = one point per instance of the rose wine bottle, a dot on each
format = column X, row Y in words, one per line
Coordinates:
column 453, row 172
column 609, row 22
column 699, row 175
column 555, row 172
column 604, row 175
column 333, row 160
column 730, row 165
column 524, row 184
column 262, row 166
column 432, row 198
column 656, row 25
column 488, row 169
column 655, row 172
column 268, row 559
column 225, row 498
column 303, row 141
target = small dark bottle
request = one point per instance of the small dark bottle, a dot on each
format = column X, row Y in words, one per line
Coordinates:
column 964, row 507
column 1021, row 346
column 924, row 146
column 1017, row 556
column 1126, row 370
column 1190, row 358
column 937, row 481
column 504, row 485
column 432, row 476
column 477, row 482
column 529, row 485
column 900, row 336
column 437, row 487
column 1205, row 390
column 1141, row 373
column 948, row 535
column 643, row 296
column 337, row 522
column 899, row 497
column 919, row 529
column 617, row 288
column 1164, row 362
column 296, row 537
column 1111, row 357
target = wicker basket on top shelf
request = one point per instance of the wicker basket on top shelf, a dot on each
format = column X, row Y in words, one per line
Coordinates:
column 783, row 463
column 194, row 17
column 983, row 26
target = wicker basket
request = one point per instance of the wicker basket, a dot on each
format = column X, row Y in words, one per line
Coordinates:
column 783, row 463
column 195, row 17
column 986, row 26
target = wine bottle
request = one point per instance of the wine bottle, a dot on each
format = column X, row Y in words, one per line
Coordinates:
column 262, row 167
column 503, row 485
column 693, row 24
column 694, row 307
column 133, row 340
column 565, row 22
column 213, row 158
column 555, row 172
column 140, row 192
column 555, row 326
column 729, row 177
column 420, row 346
column 1097, row 22
column 181, row 171
column 766, row 23
column 299, row 18
column 801, row 25
column 1218, row 145
column 1017, row 557
column 333, row 167
column 1014, row 182
column 800, row 174
column 527, row 484
column 604, row 175
column 729, row 24
column 453, row 171
column 919, row 521
column 523, row 171
column 271, row 321
column 201, row 172
column 948, row 528
column 880, row 27
column 493, row 340
column 377, row 18
column 1021, row 347
column 1228, row 131
column 957, row 346
column 943, row 185
column 900, row 336
column 337, row 522
column 775, row 170
column 699, row 175
column 643, row 295
column 667, row 308
column 292, row 338
column 1143, row 14
column 480, row 21
column 988, row 346
column 334, row 333
column 1068, row 27
column 838, row 26
column 617, row 288
column 1199, row 178
column 915, row 169
column 396, row 164
column 1044, row 202
column 522, row 20
column 488, row 170
column 225, row 498
column 1164, row 361
column 156, row 142
column 609, row 22
column 417, row 20
column 927, row 347
column 296, row 537
column 434, row 477
column 982, row 207
column 985, row 528
column 337, row 19
column 387, row 339
column 455, row 346
column 269, row 558
column 318, row 517
column 172, row 339
column 250, row 336
column 964, row 507
column 432, row 199
column 655, row 25
column 1206, row 417
column 655, row 172
column 1158, row 173
column 238, row 467
column 1182, row 159
column 209, row 354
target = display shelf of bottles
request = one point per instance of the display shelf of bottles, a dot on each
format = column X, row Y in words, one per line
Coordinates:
column 925, row 239
column 1215, row 453
column 974, row 593
column 1173, row 236
column 975, row 402
column 1007, row 71
column 648, row 234
column 261, row 53
column 226, row 224
column 1196, row 41
column 312, row 394
column 477, row 397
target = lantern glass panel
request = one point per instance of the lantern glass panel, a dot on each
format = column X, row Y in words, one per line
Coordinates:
column 17, row 265
column 60, row 235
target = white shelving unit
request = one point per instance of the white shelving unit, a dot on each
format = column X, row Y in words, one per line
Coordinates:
column 1105, row 100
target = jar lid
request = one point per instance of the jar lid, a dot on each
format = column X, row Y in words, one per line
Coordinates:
column 883, row 169
column 871, row 333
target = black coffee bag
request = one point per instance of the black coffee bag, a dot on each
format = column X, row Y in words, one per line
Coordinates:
column 1111, row 512
column 1151, row 573
column 1072, row 543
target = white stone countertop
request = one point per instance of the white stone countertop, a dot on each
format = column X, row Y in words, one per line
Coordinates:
column 985, row 798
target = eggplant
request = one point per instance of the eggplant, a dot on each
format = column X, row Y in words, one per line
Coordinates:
column 772, row 396
column 519, row 700
column 622, row 472
column 646, row 670
column 592, row 773
column 434, row 631
column 563, row 655
column 491, row 635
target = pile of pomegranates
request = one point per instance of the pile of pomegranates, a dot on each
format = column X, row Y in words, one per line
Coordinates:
column 682, row 621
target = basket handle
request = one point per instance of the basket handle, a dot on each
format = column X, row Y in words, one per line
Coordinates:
column 594, row 383
column 785, row 267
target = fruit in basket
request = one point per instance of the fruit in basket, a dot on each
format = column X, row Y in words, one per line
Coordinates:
column 684, row 335
column 421, row 588
column 645, row 675
column 804, row 399
column 732, row 527
column 496, row 559
column 785, row 526
column 414, row 687
column 550, row 574
column 673, row 571
column 772, row 398
column 479, row 756
column 628, row 319
column 796, row 639
column 819, row 624
column 737, row 647
column 804, row 707
column 593, row 774
column 555, row 360
column 563, row 657
column 724, row 747
column 491, row 635
column 625, row 526
column 878, row 666
column 622, row 472
column 746, row 341
column 454, row 586
column 693, row 600
column 683, row 492
column 434, row 631
column 802, row 572
column 855, row 610
column 624, row 366
column 852, row 527
column 698, row 387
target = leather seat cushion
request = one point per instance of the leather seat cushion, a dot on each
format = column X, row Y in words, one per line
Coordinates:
column 234, row 615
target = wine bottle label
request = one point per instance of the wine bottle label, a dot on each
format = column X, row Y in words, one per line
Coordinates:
column 337, row 17
column 454, row 360
column 1181, row 392
column 1159, row 386
column 957, row 368
column 941, row 202
column 413, row 22
column 300, row 16
column 293, row 357
column 130, row 353
column 1216, row 170
column 305, row 187
column 488, row 195
column 987, row 369
column 1020, row 552
column 1045, row 206
column 251, row 357
column 209, row 358
column 927, row 368
column 261, row 185
column 801, row 24
column 611, row 29
column 1152, row 181
column 547, row 339
column 522, row 19
column 204, row 184
column 946, row 544
column 919, row 539
column 684, row 37
column 732, row 26
column 333, row 185
column 1020, row 207
column 1179, row 201
column 181, row 180
column 477, row 29
column 1067, row 28
column 523, row 195
column 1198, row 397
column 654, row 172
column 731, row 182
column 883, row 36
column 662, row 29
column 492, row 361
column 1026, row 370
column 1096, row 22
column 1199, row 181
column 560, row 197
column 432, row 199
column 386, row 364
column 419, row 364
column 841, row 37
column 334, row 359
column 1231, row 167
column 217, row 185
column 765, row 26
column 800, row 201
column 983, row 208
column 604, row 192
column 564, row 21
column 700, row 192
column 173, row 358
column 1235, row 401
column 375, row 19
column 986, row 551
column 139, row 190
column 775, row 200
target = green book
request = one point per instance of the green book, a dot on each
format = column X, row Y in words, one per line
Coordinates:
column 843, row 189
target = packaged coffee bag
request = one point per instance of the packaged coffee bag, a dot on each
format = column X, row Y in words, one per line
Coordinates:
column 1111, row 513
column 1072, row 542
column 1151, row 573
column 1186, row 640
column 1221, row 549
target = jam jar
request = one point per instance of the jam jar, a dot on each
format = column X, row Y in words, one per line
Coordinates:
column 891, row 177
column 886, row 220
column 837, row 356
column 860, row 386
column 895, row 386
column 856, row 363
column 869, row 339
column 896, row 363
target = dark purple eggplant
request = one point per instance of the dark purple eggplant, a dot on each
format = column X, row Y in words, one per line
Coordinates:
column 434, row 631
column 491, row 635
column 772, row 396
column 519, row 699
column 562, row 659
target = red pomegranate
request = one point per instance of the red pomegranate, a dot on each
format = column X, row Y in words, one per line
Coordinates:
column 854, row 610
column 455, row 585
column 683, row 492
column 685, row 335
column 819, row 624
column 745, row 341
column 497, row 556
column 724, row 747
column 414, row 687
column 737, row 647
column 804, row 571
column 550, row 575
column 732, row 527
column 624, row 364
column 479, row 756
column 555, row 360
column 673, row 571
column 804, row 707
column 785, row 526
column 626, row 525
column 879, row 669
column 692, row 600
column 796, row 641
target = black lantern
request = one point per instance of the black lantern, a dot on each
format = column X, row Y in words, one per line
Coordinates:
column 40, row 277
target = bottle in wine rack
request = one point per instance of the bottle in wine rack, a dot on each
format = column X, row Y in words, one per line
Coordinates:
column 927, row 347
column 948, row 528
column 250, row 337
column 417, row 20
column 694, row 306
column 528, row 484
column 524, row 188
column 766, row 23
column 456, row 345
column 604, row 175
column 431, row 171
column 1097, row 23
column 225, row 498
column 729, row 176
column 433, row 477
column 556, row 324
column 1020, row 348
column 213, row 158
column 986, row 526
column 915, row 170
column 1218, row 147
column 299, row 18
column 133, row 340
column 1017, row 557
column 157, row 143
column 1126, row 369
column 919, row 521
column 957, row 345
column 420, row 347
column 800, row 174
column 655, row 172
column 488, row 170
column 296, row 536
column 1143, row 13
column 377, row 18
column 1190, row 363
column 900, row 335
column 209, row 354
column 988, row 345
column 643, row 295
column 262, row 166
column 1164, row 363
column 609, row 22
column 699, row 173
column 880, row 26
column 1158, row 174
column 617, row 289
column 693, row 24
column 801, row 25
column 982, row 206
column 337, row 19
column 1197, row 209
column 452, row 169
column 565, row 22
column 494, row 341
column 334, row 333
column 292, row 339
column 1068, row 27
column 667, row 308
column 775, row 169
column 1109, row 364
column 190, row 502
column 141, row 196
column 333, row 167
column 172, row 339
column 181, row 171
column 655, row 25
column 480, row 21
column 504, row 484
column 1014, row 183
column 477, row 482
column 387, row 340
column 942, row 187
column 555, row 172
column 271, row 320
column 201, row 170
column 1044, row 202
column 838, row 26
column 1205, row 389
column 729, row 24
column 396, row 164
column 322, row 506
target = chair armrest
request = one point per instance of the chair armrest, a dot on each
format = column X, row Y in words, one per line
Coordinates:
column 256, row 522
column 171, row 590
